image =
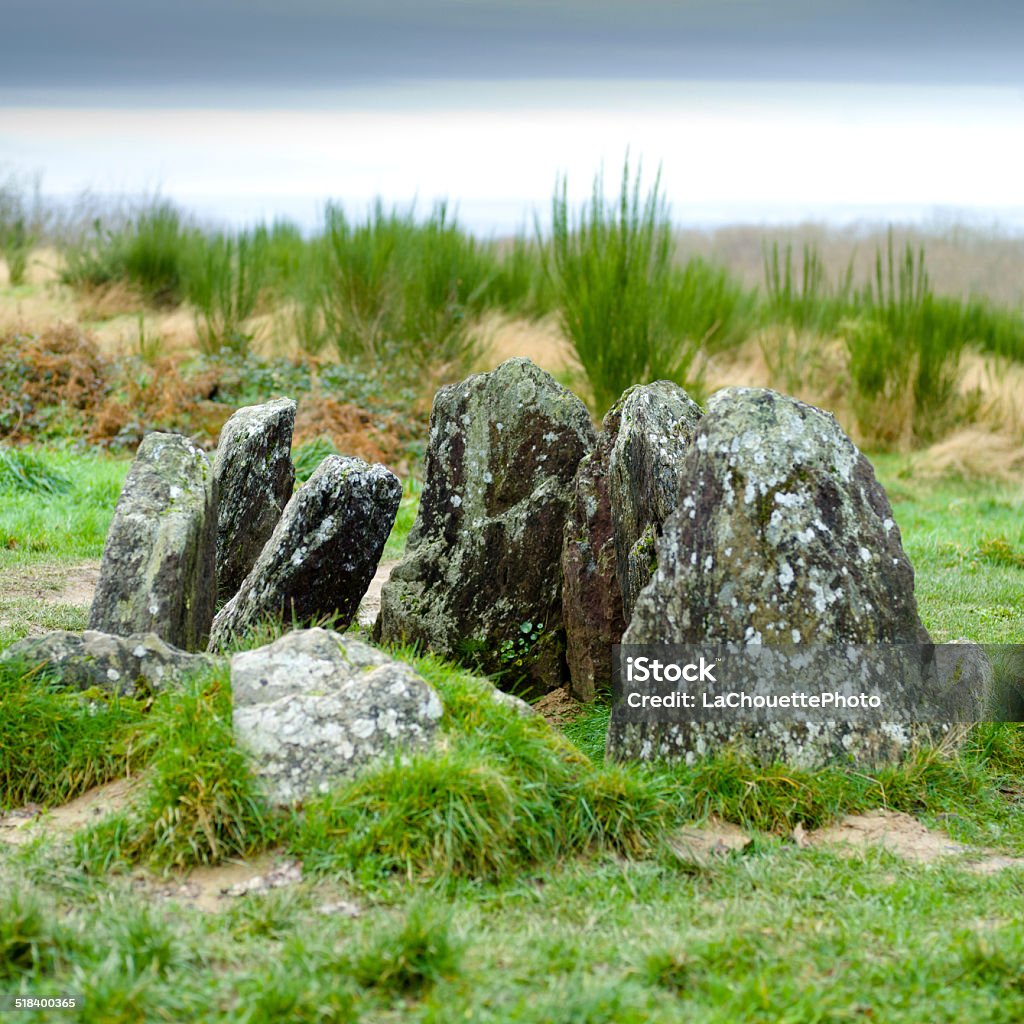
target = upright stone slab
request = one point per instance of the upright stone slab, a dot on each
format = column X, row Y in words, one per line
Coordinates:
column 783, row 536
column 255, row 476
column 481, row 580
column 158, row 573
column 656, row 423
column 591, row 595
column 323, row 552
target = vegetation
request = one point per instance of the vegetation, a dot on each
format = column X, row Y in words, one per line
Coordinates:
column 509, row 874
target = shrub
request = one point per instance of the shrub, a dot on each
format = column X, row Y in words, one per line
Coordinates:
column 631, row 314
column 225, row 278
column 399, row 293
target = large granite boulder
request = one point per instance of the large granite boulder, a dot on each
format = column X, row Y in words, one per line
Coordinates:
column 123, row 665
column 158, row 573
column 254, row 474
column 656, row 424
column 322, row 555
column 591, row 595
column 481, row 580
column 314, row 707
column 783, row 536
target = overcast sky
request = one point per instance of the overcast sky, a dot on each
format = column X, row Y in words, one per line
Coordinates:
column 756, row 110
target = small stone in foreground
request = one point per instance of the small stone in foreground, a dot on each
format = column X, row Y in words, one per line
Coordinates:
column 122, row 665
column 314, row 707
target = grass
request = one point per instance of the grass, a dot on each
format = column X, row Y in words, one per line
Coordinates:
column 199, row 804
column 55, row 745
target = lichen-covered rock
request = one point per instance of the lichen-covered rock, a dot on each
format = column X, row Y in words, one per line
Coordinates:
column 481, row 579
column 158, row 573
column 655, row 425
column 314, row 707
column 782, row 536
column 323, row 552
column 591, row 595
column 125, row 665
column 254, row 475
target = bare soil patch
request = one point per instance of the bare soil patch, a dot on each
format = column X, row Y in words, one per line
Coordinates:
column 29, row 822
column 55, row 583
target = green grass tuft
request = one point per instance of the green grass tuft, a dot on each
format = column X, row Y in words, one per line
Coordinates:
column 200, row 803
column 56, row 744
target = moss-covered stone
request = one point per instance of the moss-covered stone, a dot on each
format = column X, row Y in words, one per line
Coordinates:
column 255, row 476
column 655, row 425
column 158, row 573
column 322, row 555
column 483, row 557
column 782, row 536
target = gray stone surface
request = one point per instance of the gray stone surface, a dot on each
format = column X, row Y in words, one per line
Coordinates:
column 314, row 707
column 783, row 536
column 125, row 665
column 656, row 423
column 158, row 572
column 591, row 595
column 254, row 475
column 323, row 552
column 482, row 560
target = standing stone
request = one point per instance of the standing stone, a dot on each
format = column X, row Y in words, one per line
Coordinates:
column 323, row 552
column 314, row 707
column 656, row 423
column 481, row 579
column 255, row 476
column 591, row 595
column 158, row 573
column 783, row 536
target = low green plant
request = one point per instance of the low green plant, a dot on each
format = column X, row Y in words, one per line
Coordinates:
column 413, row 954
column 30, row 937
column 55, row 743
column 200, row 803
column 308, row 456
column 25, row 472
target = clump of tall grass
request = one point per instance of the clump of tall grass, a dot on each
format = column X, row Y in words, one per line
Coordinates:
column 631, row 314
column 904, row 346
column 225, row 277
column 21, row 226
column 804, row 298
column 397, row 291
column 148, row 250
